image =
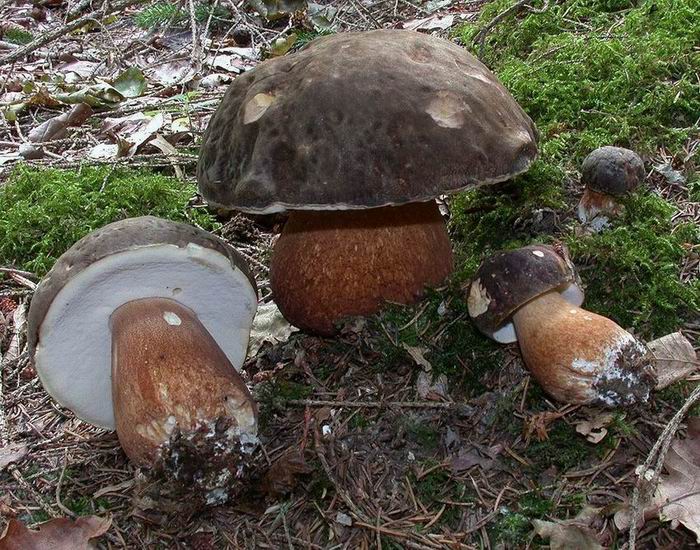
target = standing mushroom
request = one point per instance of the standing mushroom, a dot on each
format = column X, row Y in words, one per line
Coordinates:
column 356, row 135
column 608, row 173
column 141, row 327
column 532, row 295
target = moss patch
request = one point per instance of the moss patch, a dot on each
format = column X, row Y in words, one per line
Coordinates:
column 45, row 211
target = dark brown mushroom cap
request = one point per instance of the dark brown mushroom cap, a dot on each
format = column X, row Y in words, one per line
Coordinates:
column 612, row 170
column 111, row 239
column 361, row 120
column 509, row 279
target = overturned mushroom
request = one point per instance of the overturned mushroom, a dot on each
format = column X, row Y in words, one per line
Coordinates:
column 356, row 135
column 608, row 173
column 532, row 295
column 141, row 327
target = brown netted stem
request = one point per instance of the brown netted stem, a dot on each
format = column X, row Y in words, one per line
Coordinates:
column 331, row 265
column 168, row 373
column 581, row 357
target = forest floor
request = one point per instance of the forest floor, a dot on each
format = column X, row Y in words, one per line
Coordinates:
column 410, row 429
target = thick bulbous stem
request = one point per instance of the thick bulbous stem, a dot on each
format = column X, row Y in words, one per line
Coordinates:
column 169, row 377
column 330, row 265
column 593, row 203
column 581, row 357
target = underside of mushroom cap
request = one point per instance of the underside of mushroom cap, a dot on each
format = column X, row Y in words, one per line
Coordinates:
column 509, row 279
column 68, row 326
column 362, row 120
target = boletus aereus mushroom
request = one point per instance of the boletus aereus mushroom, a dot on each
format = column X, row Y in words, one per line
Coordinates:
column 532, row 295
column 607, row 173
column 141, row 327
column 356, row 135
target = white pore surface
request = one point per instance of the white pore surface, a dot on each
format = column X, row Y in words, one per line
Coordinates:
column 506, row 334
column 73, row 358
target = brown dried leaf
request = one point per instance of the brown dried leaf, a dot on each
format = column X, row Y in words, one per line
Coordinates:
column 595, row 428
column 283, row 475
column 55, row 128
column 675, row 358
column 575, row 533
column 678, row 493
column 56, row 534
column 418, row 355
column 13, row 452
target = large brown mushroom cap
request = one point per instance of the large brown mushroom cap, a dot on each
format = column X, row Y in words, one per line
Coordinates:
column 362, row 120
column 509, row 279
column 68, row 323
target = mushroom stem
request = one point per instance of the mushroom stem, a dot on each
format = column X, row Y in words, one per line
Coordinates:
column 581, row 357
column 331, row 265
column 171, row 379
column 593, row 203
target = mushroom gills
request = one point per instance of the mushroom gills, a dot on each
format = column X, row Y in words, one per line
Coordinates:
column 580, row 357
column 328, row 266
column 178, row 401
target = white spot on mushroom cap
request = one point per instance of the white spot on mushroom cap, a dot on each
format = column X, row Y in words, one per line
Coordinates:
column 172, row 319
column 538, row 253
column 448, row 110
column 479, row 300
column 256, row 107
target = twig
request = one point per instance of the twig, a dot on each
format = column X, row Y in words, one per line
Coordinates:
column 65, row 29
column 661, row 447
column 372, row 404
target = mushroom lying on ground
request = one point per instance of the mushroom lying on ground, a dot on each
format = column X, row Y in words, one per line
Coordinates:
column 140, row 326
column 532, row 295
column 608, row 173
column 356, row 135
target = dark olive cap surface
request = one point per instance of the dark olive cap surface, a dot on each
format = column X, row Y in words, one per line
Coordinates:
column 120, row 236
column 361, row 120
column 509, row 279
column 612, row 170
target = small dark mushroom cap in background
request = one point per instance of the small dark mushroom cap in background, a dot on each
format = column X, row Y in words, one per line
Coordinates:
column 607, row 173
column 68, row 324
column 612, row 170
column 362, row 120
column 509, row 279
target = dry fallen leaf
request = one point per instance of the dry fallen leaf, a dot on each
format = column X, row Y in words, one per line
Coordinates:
column 569, row 534
column 55, row 534
column 13, row 452
column 418, row 355
column 675, row 359
column 595, row 428
column 678, row 493
column 268, row 326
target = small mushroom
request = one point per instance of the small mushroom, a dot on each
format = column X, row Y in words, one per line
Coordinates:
column 356, row 135
column 608, row 173
column 532, row 295
column 141, row 327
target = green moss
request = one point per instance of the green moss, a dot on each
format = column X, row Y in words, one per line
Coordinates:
column 45, row 211
column 451, row 344
column 17, row 35
column 564, row 449
column 421, row 433
column 628, row 79
column 634, row 275
column 677, row 394
column 161, row 13
column 514, row 526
